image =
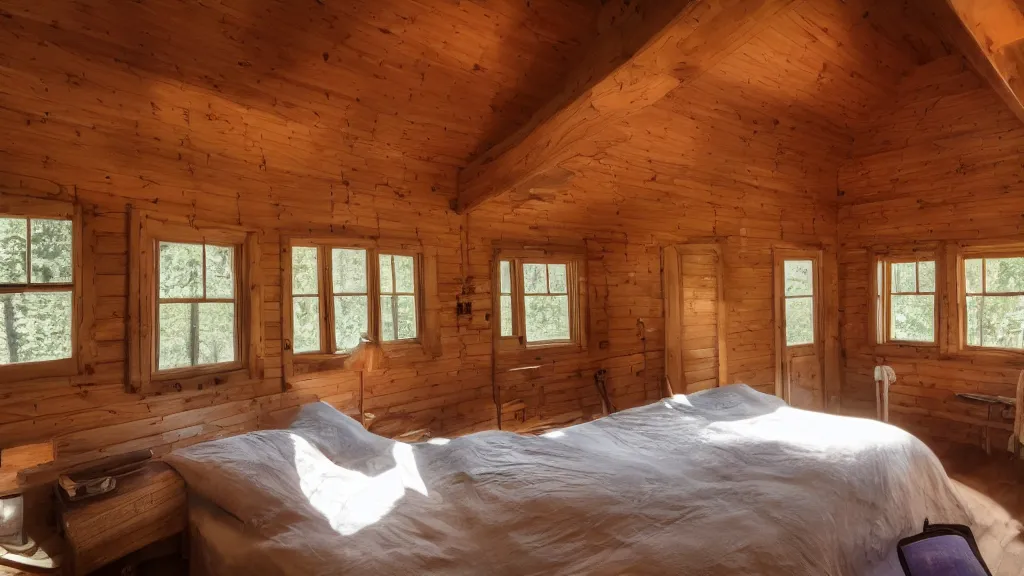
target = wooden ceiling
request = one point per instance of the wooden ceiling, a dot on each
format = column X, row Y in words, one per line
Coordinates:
column 770, row 121
column 755, row 94
column 436, row 81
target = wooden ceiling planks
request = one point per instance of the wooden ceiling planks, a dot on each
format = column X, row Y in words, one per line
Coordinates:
column 990, row 34
column 432, row 81
column 654, row 48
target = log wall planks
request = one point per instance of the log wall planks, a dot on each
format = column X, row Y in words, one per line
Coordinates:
column 356, row 117
column 941, row 164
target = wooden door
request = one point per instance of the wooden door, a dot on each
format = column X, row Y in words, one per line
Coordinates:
column 799, row 338
column 695, row 318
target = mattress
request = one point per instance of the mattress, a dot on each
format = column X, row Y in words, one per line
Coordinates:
column 724, row 481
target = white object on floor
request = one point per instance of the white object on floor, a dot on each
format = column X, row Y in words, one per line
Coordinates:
column 884, row 376
column 724, row 481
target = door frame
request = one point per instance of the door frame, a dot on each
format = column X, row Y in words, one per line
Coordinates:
column 779, row 256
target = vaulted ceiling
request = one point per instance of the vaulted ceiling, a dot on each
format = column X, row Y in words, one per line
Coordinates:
column 744, row 94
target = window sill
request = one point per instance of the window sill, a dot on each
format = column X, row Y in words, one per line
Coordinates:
column 538, row 351
column 995, row 357
column 1007, row 355
column 36, row 370
column 195, row 378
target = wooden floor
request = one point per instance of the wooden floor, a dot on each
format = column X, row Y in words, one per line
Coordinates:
column 993, row 487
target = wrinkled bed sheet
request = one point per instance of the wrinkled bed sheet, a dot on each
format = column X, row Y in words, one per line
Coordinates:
column 725, row 481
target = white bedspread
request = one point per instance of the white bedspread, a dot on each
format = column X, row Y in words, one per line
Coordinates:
column 726, row 481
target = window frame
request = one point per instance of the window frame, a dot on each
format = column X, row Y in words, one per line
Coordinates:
column 146, row 231
column 983, row 252
column 575, row 272
column 46, row 209
column 157, row 301
column 297, row 364
column 882, row 295
column 815, row 297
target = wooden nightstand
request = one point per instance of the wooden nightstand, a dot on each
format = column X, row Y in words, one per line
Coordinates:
column 147, row 507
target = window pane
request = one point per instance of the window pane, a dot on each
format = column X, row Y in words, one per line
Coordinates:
column 306, row 324
column 972, row 270
column 387, row 282
column 387, row 321
column 535, row 278
column 220, row 272
column 995, row 321
column 799, row 321
column 175, row 338
column 556, row 279
column 350, row 321
column 13, row 244
column 181, row 270
column 348, row 270
column 51, row 251
column 304, row 270
column 404, row 274
column 904, row 277
column 974, row 320
column 927, row 279
column 547, row 318
column 35, row 327
column 216, row 333
column 506, row 315
column 1004, row 275
column 799, row 277
column 406, row 317
column 506, row 277
column 913, row 318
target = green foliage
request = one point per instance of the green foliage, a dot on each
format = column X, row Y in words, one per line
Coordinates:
column 535, row 279
column 798, row 280
column 349, row 271
column 994, row 320
column 35, row 326
column 397, row 312
column 546, row 302
column 547, row 318
column 181, row 270
column 13, row 244
column 306, row 324
column 196, row 333
column 799, row 321
column 912, row 314
column 351, row 321
column 51, row 251
column 799, row 277
column 913, row 318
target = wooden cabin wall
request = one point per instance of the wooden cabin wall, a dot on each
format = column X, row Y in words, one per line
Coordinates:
column 358, row 123
column 345, row 118
column 747, row 157
column 941, row 164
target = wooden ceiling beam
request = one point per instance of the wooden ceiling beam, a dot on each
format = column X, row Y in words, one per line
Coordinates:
column 990, row 35
column 645, row 50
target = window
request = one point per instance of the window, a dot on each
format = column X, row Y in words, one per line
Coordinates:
column 994, row 302
column 906, row 301
column 799, row 301
column 335, row 292
column 37, row 287
column 538, row 301
column 196, row 305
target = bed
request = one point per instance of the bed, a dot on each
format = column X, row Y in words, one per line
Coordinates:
column 725, row 481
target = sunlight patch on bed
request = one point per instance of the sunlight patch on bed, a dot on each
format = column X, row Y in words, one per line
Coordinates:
column 812, row 430
column 349, row 499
